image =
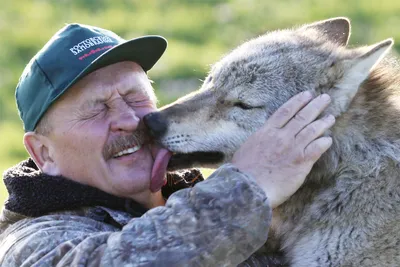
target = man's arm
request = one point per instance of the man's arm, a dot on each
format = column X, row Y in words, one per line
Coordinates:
column 219, row 222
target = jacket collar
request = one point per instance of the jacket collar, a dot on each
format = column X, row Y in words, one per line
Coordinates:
column 33, row 193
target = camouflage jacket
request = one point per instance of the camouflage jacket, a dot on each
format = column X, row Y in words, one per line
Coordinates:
column 52, row 221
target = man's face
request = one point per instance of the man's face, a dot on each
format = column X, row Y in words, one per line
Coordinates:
column 96, row 138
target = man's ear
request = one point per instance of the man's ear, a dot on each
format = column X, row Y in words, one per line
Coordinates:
column 336, row 30
column 356, row 71
column 38, row 147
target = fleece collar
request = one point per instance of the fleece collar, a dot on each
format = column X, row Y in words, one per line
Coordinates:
column 33, row 193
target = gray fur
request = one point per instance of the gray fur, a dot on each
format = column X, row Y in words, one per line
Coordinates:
column 347, row 211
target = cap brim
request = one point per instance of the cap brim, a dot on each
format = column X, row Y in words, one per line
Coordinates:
column 145, row 51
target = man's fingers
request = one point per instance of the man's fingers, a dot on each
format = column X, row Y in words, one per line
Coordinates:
column 316, row 148
column 308, row 114
column 289, row 109
column 315, row 130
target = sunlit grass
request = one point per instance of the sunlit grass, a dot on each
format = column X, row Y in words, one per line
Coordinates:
column 12, row 150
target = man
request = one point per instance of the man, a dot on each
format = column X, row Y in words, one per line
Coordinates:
column 92, row 192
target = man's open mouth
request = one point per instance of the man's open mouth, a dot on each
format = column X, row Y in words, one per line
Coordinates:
column 128, row 151
column 195, row 159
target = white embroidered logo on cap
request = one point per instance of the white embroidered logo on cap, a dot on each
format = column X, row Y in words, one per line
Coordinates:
column 90, row 42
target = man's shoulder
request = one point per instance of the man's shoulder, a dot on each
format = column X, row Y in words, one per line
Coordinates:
column 93, row 217
column 23, row 235
column 89, row 220
column 21, row 232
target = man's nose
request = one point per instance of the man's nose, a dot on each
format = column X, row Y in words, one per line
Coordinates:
column 156, row 124
column 126, row 121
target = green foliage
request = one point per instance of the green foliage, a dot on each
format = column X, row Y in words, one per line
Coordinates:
column 199, row 33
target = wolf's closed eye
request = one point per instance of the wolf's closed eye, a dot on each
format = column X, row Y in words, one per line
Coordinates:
column 242, row 105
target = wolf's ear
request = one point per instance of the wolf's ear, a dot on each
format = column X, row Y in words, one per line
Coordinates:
column 356, row 70
column 337, row 30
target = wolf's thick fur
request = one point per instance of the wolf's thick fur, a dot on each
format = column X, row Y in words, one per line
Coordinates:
column 347, row 213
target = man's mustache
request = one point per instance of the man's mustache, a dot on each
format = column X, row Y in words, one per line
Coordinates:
column 139, row 137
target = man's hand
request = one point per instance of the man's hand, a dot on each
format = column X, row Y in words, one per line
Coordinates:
column 281, row 154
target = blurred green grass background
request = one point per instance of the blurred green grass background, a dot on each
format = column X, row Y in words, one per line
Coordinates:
column 199, row 33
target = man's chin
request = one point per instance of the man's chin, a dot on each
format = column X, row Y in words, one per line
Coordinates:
column 129, row 180
column 131, row 190
column 147, row 198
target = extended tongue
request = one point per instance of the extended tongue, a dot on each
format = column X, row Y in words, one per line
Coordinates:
column 159, row 169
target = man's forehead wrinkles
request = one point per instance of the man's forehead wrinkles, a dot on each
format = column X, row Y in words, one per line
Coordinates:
column 101, row 90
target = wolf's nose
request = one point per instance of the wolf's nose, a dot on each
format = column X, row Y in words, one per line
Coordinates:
column 156, row 124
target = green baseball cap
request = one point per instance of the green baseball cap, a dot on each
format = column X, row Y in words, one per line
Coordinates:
column 73, row 52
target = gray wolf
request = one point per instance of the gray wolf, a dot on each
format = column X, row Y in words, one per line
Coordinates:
column 347, row 211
